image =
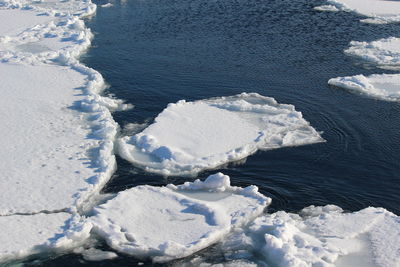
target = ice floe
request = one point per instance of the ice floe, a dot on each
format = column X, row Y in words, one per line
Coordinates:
column 107, row 5
column 188, row 137
column 380, row 86
column 385, row 53
column 22, row 235
column 46, row 154
column 171, row 222
column 377, row 11
column 321, row 236
column 57, row 130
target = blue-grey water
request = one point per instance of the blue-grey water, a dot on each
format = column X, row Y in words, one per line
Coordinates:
column 153, row 52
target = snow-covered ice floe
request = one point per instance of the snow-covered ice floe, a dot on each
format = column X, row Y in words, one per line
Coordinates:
column 57, row 130
column 385, row 53
column 188, row 137
column 320, row 236
column 377, row 11
column 380, row 86
column 166, row 223
column 23, row 235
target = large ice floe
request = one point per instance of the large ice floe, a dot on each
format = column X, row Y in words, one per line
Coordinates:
column 188, row 137
column 376, row 11
column 320, row 236
column 57, row 130
column 379, row 86
column 170, row 222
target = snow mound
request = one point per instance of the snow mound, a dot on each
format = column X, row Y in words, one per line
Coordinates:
column 188, row 137
column 166, row 223
column 380, row 86
column 22, row 235
column 384, row 52
column 377, row 11
column 323, row 236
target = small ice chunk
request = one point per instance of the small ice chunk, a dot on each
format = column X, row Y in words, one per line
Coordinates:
column 107, row 5
column 384, row 52
column 188, row 137
column 93, row 254
column 379, row 86
column 329, row 8
column 166, row 223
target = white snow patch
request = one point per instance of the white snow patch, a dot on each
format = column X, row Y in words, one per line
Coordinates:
column 19, row 20
column 171, row 222
column 45, row 153
column 384, row 52
column 188, row 137
column 380, row 86
column 378, row 11
column 323, row 236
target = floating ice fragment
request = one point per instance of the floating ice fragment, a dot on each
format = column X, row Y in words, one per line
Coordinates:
column 188, row 137
column 330, row 8
column 166, row 223
column 380, row 86
column 384, row 52
column 378, row 11
column 322, row 236
column 107, row 5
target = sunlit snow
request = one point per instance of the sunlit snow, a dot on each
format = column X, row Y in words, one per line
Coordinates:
column 188, row 137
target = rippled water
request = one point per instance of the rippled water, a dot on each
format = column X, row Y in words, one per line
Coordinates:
column 153, row 52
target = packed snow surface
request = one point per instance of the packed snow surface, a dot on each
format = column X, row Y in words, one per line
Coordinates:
column 57, row 131
column 22, row 235
column 171, row 222
column 188, row 137
column 377, row 11
column 44, row 142
column 321, row 236
column 380, row 86
column 384, row 52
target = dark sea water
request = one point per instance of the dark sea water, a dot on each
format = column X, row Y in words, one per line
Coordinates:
column 153, row 52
